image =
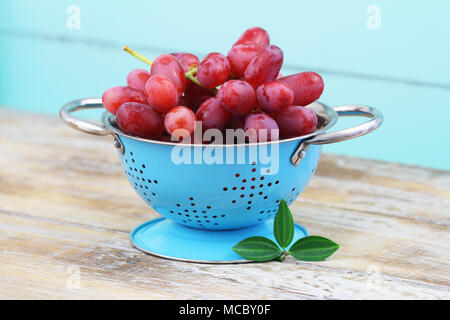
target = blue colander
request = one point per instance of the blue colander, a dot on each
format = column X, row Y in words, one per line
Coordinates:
column 213, row 196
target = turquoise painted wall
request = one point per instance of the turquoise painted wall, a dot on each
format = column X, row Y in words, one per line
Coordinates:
column 403, row 68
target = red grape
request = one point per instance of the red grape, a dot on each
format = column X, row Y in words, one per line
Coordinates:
column 139, row 120
column 296, row 121
column 254, row 35
column 193, row 92
column 137, row 78
column 274, row 95
column 236, row 122
column 183, row 102
column 307, row 87
column 169, row 66
column 241, row 55
column 186, row 60
column 237, row 96
column 161, row 93
column 264, row 66
column 212, row 114
column 198, row 102
column 259, row 126
column 114, row 97
column 280, row 75
column 180, row 121
column 213, row 70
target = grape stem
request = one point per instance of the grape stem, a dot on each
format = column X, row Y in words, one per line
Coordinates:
column 138, row 55
column 188, row 75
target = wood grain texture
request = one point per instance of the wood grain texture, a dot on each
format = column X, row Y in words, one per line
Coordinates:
column 65, row 205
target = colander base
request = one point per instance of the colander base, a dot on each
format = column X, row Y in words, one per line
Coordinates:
column 167, row 239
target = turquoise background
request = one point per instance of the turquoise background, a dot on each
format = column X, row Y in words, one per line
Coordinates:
column 403, row 68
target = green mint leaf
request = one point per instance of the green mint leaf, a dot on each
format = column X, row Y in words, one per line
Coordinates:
column 283, row 226
column 313, row 248
column 257, row 249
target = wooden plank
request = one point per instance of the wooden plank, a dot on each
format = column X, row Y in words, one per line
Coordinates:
column 109, row 268
column 58, row 212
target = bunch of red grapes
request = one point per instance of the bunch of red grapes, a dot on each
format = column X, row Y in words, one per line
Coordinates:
column 165, row 103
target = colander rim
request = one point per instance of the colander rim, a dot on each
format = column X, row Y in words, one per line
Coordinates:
column 106, row 120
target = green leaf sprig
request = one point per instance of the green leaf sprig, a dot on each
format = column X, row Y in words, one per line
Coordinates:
column 310, row 248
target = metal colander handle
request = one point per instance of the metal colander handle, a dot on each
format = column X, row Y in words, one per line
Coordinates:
column 345, row 134
column 83, row 125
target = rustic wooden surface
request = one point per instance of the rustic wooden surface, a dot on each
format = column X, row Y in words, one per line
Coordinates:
column 66, row 210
